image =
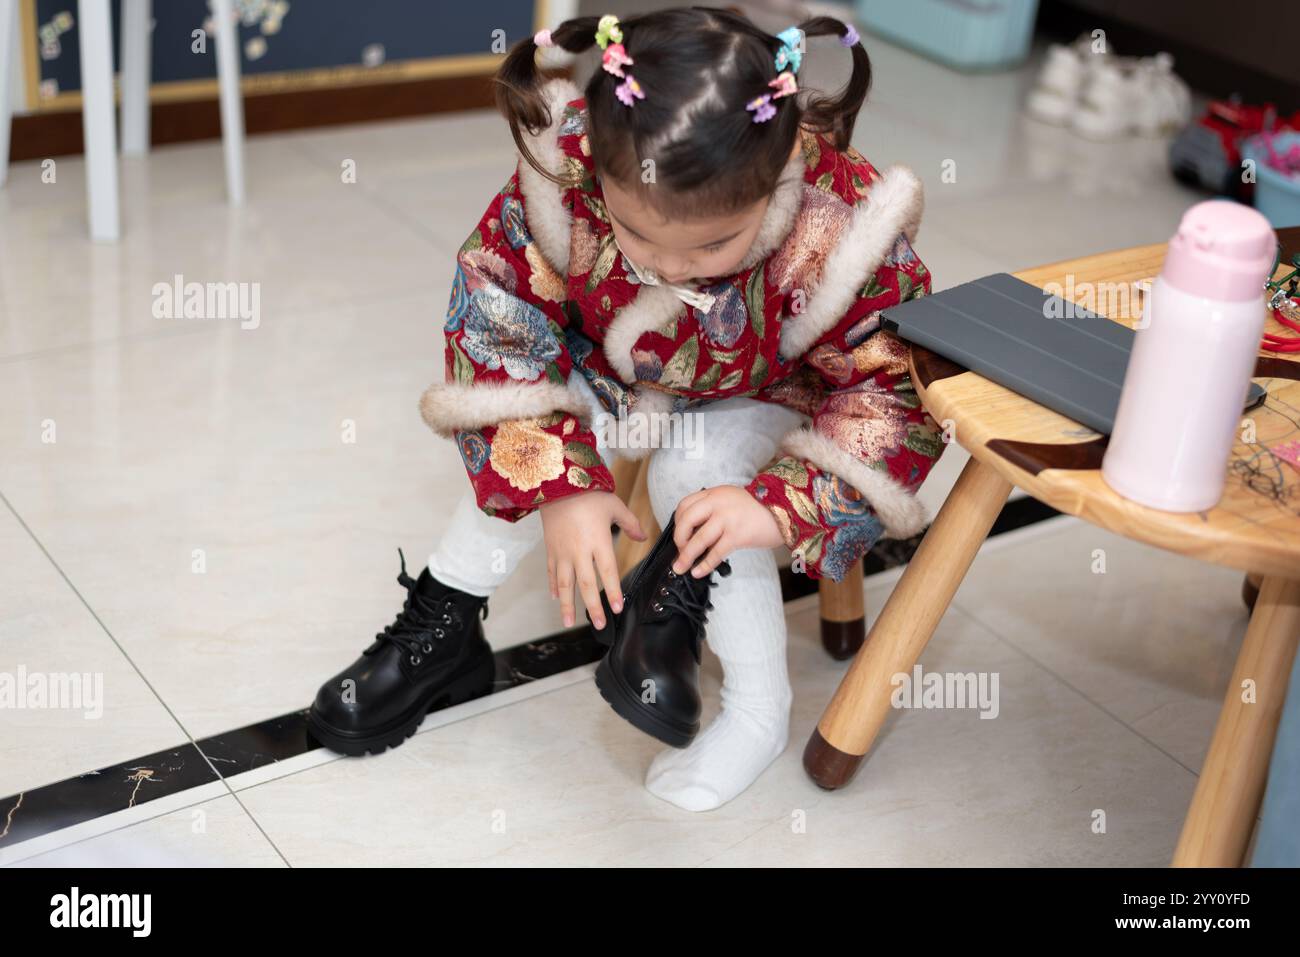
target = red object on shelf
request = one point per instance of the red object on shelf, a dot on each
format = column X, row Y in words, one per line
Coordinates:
column 1275, row 343
column 1288, row 452
column 1231, row 122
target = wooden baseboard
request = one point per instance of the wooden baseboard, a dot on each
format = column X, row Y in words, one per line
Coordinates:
column 42, row 135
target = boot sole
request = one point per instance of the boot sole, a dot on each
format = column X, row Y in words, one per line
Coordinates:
column 627, row 704
column 473, row 683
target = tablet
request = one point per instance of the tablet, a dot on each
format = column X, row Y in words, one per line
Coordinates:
column 1035, row 343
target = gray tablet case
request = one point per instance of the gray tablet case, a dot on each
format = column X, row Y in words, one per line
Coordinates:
column 1065, row 358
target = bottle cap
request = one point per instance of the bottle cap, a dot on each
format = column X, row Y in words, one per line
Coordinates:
column 1222, row 250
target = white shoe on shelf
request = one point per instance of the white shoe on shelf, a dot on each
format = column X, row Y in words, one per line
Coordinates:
column 1106, row 109
column 1126, row 96
column 1165, row 106
column 1065, row 74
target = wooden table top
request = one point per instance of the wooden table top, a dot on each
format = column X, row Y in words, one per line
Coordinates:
column 1255, row 526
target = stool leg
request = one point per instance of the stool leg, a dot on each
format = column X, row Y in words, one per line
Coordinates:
column 625, row 471
column 231, row 99
column 1250, row 589
column 1231, row 786
column 861, row 703
column 627, row 551
column 8, row 53
column 136, row 53
column 843, row 614
column 96, row 42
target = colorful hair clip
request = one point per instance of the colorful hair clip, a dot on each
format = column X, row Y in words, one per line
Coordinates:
column 615, row 58
column 792, row 47
column 784, row 85
column 608, row 30
column 628, row 90
column 542, row 38
column 762, row 108
column 850, row 37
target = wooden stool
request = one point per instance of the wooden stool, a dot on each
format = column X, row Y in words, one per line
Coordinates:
column 1015, row 442
column 843, row 612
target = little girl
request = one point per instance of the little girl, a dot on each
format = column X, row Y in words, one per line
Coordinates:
column 683, row 237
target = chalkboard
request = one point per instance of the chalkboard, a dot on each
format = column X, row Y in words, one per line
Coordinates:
column 287, row 45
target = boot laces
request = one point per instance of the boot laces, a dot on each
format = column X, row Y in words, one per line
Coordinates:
column 421, row 623
column 679, row 595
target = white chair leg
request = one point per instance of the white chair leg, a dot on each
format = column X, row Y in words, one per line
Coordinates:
column 135, row 61
column 96, row 32
column 232, row 105
column 8, row 54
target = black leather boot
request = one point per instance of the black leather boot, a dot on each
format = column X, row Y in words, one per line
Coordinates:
column 651, row 674
column 432, row 656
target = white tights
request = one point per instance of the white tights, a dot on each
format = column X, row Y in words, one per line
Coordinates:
column 746, row 627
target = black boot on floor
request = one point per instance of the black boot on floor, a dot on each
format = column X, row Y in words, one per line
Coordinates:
column 432, row 656
column 651, row 674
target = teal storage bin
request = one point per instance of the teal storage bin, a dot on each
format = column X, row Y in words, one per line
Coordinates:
column 964, row 34
column 1277, row 196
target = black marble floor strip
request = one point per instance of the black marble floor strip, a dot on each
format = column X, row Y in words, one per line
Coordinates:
column 141, row 780
column 132, row 783
column 267, row 742
column 94, row 794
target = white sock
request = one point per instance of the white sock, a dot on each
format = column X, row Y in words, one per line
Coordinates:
column 747, row 631
column 746, row 628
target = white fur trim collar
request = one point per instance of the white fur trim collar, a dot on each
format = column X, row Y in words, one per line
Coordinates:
column 782, row 210
column 892, row 206
column 548, row 220
column 655, row 306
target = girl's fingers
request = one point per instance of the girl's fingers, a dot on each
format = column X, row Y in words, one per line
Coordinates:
column 705, row 536
column 564, row 578
column 550, row 577
column 590, row 592
column 625, row 519
column 720, row 550
column 688, row 518
column 608, row 568
column 692, row 498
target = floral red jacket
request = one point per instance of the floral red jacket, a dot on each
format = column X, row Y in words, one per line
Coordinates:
column 541, row 292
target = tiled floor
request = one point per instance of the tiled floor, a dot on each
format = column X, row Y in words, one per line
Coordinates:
column 180, row 435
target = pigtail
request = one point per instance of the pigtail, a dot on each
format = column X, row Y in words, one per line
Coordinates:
column 836, row 115
column 518, row 85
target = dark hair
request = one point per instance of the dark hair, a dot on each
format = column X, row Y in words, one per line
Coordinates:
column 699, row 67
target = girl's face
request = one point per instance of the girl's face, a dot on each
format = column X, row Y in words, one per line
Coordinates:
column 685, row 250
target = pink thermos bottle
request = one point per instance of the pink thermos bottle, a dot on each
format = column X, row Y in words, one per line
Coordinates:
column 1192, row 361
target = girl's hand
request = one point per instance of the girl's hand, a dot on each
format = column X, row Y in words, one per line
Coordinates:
column 720, row 520
column 579, row 546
